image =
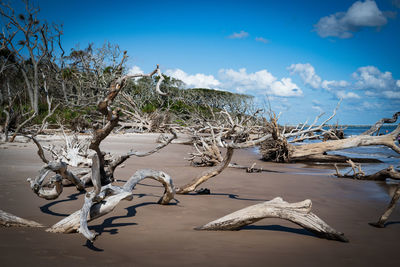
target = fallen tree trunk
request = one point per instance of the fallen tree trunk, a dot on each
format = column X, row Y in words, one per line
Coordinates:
column 298, row 213
column 9, row 220
column 306, row 150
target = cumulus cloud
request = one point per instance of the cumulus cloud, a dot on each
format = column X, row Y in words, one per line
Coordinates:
column 198, row 80
column 240, row 35
column 368, row 106
column 307, row 74
column 135, row 70
column 262, row 40
column 346, row 95
column 392, row 94
column 331, row 85
column 371, row 78
column 344, row 24
column 262, row 80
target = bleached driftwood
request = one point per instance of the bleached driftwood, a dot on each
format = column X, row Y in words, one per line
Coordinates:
column 385, row 216
column 359, row 174
column 298, row 213
column 381, row 175
column 103, row 200
column 206, row 175
column 10, row 220
column 377, row 126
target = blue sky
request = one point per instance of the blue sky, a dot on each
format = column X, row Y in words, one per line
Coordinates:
column 304, row 55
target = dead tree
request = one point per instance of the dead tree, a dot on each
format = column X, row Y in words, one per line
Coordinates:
column 381, row 175
column 317, row 151
column 77, row 153
column 298, row 213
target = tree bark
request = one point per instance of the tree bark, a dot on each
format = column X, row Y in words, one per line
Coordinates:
column 298, row 213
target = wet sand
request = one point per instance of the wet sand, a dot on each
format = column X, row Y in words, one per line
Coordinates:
column 142, row 233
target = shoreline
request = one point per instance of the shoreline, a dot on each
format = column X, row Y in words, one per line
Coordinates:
column 140, row 232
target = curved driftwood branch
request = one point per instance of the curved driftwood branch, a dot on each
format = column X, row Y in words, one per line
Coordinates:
column 358, row 174
column 385, row 216
column 121, row 159
column 377, row 126
column 203, row 177
column 97, row 205
column 40, row 151
column 10, row 220
column 22, row 125
column 298, row 213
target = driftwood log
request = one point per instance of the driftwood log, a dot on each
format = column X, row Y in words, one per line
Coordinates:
column 381, row 175
column 298, row 213
column 10, row 220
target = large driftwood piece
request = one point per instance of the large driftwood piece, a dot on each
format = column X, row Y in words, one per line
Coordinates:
column 9, row 220
column 305, row 150
column 99, row 202
column 298, row 213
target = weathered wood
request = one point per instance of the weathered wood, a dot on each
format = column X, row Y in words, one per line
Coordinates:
column 203, row 177
column 99, row 204
column 298, row 213
column 302, row 151
column 381, row 175
column 377, row 126
column 385, row 216
column 22, row 125
column 10, row 220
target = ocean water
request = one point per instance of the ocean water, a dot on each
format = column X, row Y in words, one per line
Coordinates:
column 383, row 153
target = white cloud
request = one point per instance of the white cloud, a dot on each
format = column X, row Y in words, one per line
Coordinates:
column 370, row 93
column 346, row 95
column 135, row 70
column 392, row 94
column 262, row 40
column 368, row 106
column 371, row 78
column 309, row 76
column 198, row 80
column 344, row 24
column 240, row 35
column 330, row 85
column 318, row 108
column 241, row 81
column 307, row 73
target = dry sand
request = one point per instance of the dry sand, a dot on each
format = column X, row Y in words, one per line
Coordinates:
column 142, row 233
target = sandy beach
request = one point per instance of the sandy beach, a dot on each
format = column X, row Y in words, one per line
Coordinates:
column 142, row 233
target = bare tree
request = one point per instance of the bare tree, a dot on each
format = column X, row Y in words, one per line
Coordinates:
column 31, row 41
